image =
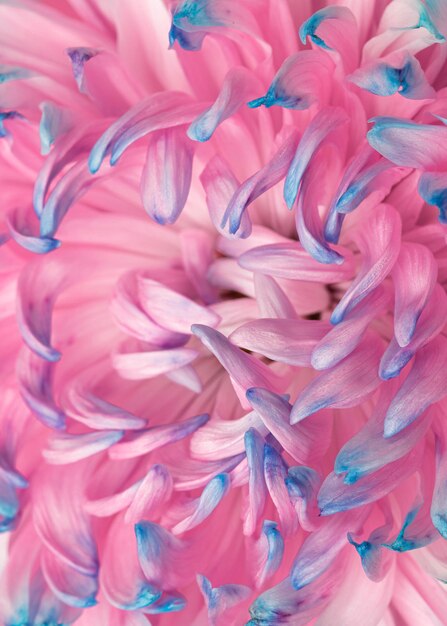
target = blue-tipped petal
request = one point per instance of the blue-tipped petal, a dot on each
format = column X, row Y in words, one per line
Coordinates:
column 433, row 189
column 78, row 58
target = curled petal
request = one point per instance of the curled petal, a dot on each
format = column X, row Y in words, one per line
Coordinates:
column 166, row 176
column 337, row 30
column 346, row 384
column 271, row 174
column 270, row 551
column 98, row 414
column 158, row 551
column 322, row 126
column 35, row 306
column 343, row 338
column 438, row 509
column 162, row 110
column 24, row 229
column 414, row 277
column 423, row 386
column 321, row 548
column 36, row 386
column 209, row 499
column 236, row 88
column 429, row 326
column 271, row 299
column 220, row 599
column 368, row 450
column 130, row 592
column 131, row 318
column 220, row 184
column 379, row 256
column 303, row 78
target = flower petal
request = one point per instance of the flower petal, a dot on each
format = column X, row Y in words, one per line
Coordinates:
column 346, row 384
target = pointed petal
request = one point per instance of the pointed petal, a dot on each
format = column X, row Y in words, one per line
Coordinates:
column 343, row 338
column 302, row 80
column 220, row 184
column 271, row 299
column 275, row 473
column 237, row 87
column 335, row 495
column 379, row 256
column 152, row 493
column 429, row 326
column 346, row 384
column 423, row 386
column 270, row 551
column 242, row 367
column 209, row 499
column 257, row 490
column 323, row 124
column 303, row 441
column 266, row 178
column 156, row 437
column 414, row 277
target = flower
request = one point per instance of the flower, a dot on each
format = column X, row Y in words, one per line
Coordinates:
column 223, row 278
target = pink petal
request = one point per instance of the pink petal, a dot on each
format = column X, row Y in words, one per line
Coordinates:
column 152, row 493
column 286, row 341
column 271, row 174
column 142, row 365
column 379, row 256
column 414, row 277
column 324, row 123
column 156, row 437
column 238, row 86
column 172, row 310
column 257, row 490
column 290, row 260
column 407, row 143
column 166, row 176
column 346, row 384
column 423, row 386
column 303, row 441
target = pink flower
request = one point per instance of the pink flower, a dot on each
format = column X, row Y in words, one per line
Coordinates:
column 223, row 352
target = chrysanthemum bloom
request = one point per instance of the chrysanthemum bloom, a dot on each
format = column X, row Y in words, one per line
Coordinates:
column 223, row 367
